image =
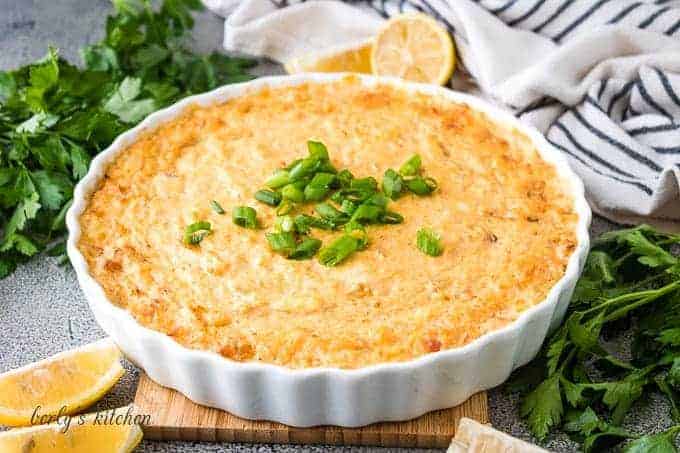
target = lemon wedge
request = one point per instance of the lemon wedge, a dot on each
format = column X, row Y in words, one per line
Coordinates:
column 354, row 59
column 101, row 432
column 60, row 385
column 415, row 47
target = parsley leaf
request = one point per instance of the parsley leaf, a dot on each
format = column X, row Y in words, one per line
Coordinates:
column 54, row 116
column 631, row 286
column 657, row 443
column 595, row 434
column 543, row 406
column 124, row 103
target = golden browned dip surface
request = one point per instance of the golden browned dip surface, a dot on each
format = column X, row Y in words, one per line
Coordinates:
column 507, row 224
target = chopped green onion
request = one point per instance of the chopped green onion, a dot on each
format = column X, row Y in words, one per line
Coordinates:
column 293, row 193
column 367, row 213
column 216, row 207
column 304, row 168
column 357, row 196
column 348, row 206
column 421, row 186
column 306, row 249
column 412, row 166
column 339, row 250
column 339, row 196
column 317, row 150
column 279, row 179
column 285, row 207
column 196, row 232
column 327, row 167
column 358, row 202
column 368, row 184
column 391, row 217
column 304, row 222
column 268, row 197
column 319, row 186
column 244, row 216
column 379, row 200
column 429, row 242
column 392, row 184
column 345, row 178
column 329, row 212
column 358, row 232
column 284, row 224
column 293, row 164
column 359, row 190
column 283, row 243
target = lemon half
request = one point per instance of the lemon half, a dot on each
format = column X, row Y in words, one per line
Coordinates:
column 415, row 47
column 355, row 58
column 60, row 385
column 97, row 432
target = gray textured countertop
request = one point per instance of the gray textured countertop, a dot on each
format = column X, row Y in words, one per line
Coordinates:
column 42, row 310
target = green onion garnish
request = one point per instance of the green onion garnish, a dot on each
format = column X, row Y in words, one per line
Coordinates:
column 392, row 184
column 284, row 224
column 268, row 197
column 293, row 193
column 317, row 150
column 196, row 232
column 329, row 212
column 306, row 249
column 391, row 217
column 412, row 166
column 339, row 250
column 244, row 216
column 348, row 206
column 319, row 186
column 367, row 185
column 429, row 242
column 345, row 178
column 292, row 164
column 216, row 207
column 285, row 207
column 343, row 200
column 279, row 179
column 303, row 223
column 421, row 186
column 304, row 168
column 283, row 242
column 357, row 231
column 379, row 200
column 367, row 213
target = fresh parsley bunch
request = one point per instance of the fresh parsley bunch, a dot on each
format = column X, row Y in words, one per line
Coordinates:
column 55, row 116
column 631, row 284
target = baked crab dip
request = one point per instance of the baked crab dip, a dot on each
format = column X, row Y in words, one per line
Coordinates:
column 329, row 224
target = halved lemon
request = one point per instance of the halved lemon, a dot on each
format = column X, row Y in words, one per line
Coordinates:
column 97, row 432
column 356, row 58
column 60, row 385
column 415, row 47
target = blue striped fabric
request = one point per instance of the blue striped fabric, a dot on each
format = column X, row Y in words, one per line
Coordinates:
column 624, row 136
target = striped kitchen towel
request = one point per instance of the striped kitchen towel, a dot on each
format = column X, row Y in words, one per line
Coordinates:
column 600, row 78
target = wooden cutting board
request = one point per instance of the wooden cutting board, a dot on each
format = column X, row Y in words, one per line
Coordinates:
column 174, row 417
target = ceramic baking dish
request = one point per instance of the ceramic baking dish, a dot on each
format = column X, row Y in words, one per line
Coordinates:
column 328, row 396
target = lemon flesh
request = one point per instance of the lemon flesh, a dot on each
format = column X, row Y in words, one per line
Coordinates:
column 414, row 47
column 60, row 385
column 353, row 59
column 82, row 434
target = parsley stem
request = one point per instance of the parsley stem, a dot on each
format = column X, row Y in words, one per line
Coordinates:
column 653, row 295
column 647, row 280
column 634, row 296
